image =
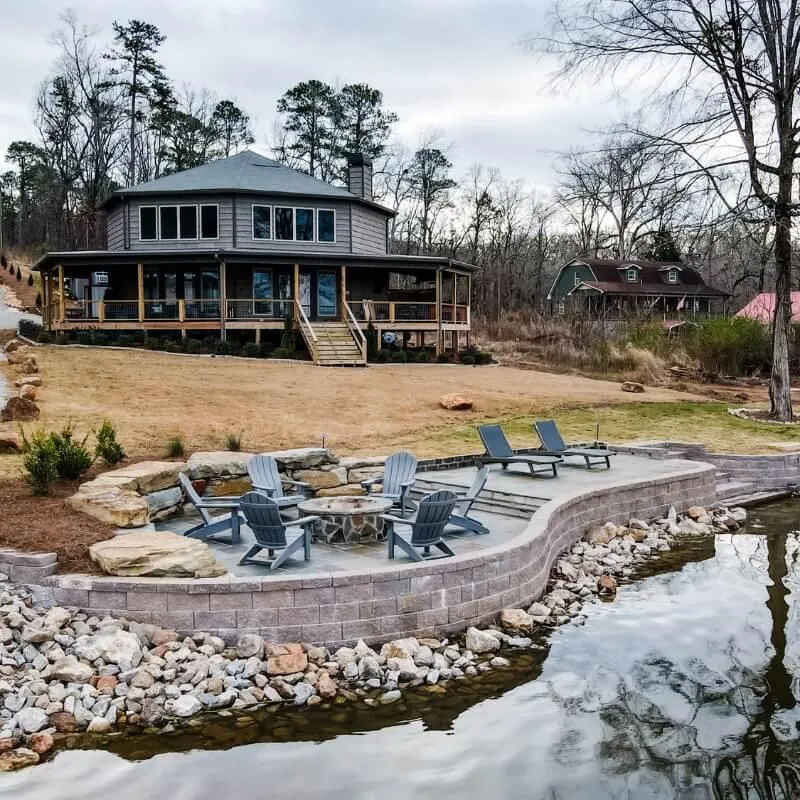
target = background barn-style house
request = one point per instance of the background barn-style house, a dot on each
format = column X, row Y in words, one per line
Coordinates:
column 613, row 289
column 242, row 244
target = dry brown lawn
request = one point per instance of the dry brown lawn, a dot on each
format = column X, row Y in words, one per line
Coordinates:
column 151, row 397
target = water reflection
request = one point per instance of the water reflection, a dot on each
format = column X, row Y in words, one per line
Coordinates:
column 686, row 686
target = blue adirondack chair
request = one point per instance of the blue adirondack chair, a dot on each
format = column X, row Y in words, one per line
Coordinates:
column 427, row 527
column 499, row 451
column 460, row 520
column 399, row 474
column 263, row 517
column 264, row 475
column 553, row 444
column 211, row 526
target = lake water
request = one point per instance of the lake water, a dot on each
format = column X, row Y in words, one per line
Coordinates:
column 686, row 686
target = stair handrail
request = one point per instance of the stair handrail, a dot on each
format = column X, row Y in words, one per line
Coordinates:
column 304, row 321
column 356, row 332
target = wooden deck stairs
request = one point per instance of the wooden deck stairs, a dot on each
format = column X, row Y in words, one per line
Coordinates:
column 335, row 345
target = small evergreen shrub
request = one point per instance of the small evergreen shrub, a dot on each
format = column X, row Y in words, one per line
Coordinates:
column 125, row 340
column 423, row 357
column 371, row 336
column 30, row 279
column 45, row 337
column 194, row 346
column 99, row 339
column 468, row 359
column 383, row 355
column 251, row 350
column 443, row 358
column 282, row 352
column 84, row 337
column 62, row 338
column 171, row 346
column 233, row 442
column 221, row 348
column 400, row 357
column 266, row 349
column 72, row 457
column 108, row 448
column 288, row 341
column 39, row 461
column 176, row 447
column 29, row 329
column 482, row 357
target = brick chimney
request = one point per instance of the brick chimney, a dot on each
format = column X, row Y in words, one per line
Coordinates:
column 359, row 175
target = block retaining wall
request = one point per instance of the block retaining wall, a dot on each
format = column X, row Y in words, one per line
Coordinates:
column 428, row 599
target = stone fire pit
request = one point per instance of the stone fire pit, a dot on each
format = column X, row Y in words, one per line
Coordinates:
column 347, row 519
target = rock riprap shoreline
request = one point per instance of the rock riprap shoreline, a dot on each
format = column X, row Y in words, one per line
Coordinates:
column 63, row 671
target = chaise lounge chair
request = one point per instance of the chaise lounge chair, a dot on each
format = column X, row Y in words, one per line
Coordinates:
column 498, row 451
column 554, row 444
column 399, row 474
column 427, row 527
column 460, row 520
column 263, row 517
column 264, row 475
column 211, row 526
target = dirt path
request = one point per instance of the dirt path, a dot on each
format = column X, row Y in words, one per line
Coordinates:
column 153, row 396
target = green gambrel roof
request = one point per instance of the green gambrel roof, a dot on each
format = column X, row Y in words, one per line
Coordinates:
column 246, row 172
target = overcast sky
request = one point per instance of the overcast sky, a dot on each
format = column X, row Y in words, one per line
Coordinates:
column 450, row 65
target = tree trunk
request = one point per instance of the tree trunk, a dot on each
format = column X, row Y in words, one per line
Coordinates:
column 780, row 395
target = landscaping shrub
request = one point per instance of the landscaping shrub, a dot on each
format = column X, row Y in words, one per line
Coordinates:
column 45, row 337
column 383, row 355
column 38, row 301
column 139, row 337
column 107, row 447
column 371, row 336
column 233, row 442
column 251, row 350
column 176, row 447
column 282, row 352
column 72, row 457
column 39, row 461
column 221, row 348
column 194, row 346
column 62, row 338
column 423, row 357
column 399, row 357
column 443, row 358
column 468, row 359
column 29, row 329
column 171, row 346
column 100, row 339
column 733, row 346
column 288, row 341
column 83, row 337
column 125, row 340
column 266, row 349
column 151, row 343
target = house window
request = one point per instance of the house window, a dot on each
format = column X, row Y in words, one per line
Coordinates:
column 304, row 224
column 284, row 223
column 148, row 223
column 262, row 284
column 262, row 222
column 209, row 222
column 577, row 279
column 326, row 225
column 561, row 307
column 187, row 216
column 168, row 221
column 672, row 276
column 633, row 275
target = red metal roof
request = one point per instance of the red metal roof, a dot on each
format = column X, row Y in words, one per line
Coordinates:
column 762, row 307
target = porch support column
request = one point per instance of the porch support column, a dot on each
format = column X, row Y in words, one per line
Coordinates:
column 455, row 296
column 438, row 312
column 61, row 315
column 296, row 293
column 343, row 292
column 223, row 300
column 45, row 307
column 140, row 290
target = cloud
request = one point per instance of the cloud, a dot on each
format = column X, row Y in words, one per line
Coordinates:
column 450, row 65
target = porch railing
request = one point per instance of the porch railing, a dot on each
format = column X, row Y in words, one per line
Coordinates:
column 355, row 330
column 457, row 314
column 160, row 309
column 255, row 308
column 306, row 329
column 391, row 311
column 112, row 310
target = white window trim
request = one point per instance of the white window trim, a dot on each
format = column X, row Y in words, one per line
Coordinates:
column 313, row 222
column 196, row 222
column 316, row 222
column 253, row 237
column 275, row 238
column 577, row 280
column 200, row 207
column 177, row 222
column 158, row 224
column 635, row 273
column 672, row 276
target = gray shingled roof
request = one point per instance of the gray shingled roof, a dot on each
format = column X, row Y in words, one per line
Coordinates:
column 245, row 172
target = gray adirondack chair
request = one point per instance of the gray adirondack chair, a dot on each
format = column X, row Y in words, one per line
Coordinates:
column 427, row 527
column 553, row 444
column 460, row 520
column 399, row 474
column 264, row 475
column 263, row 517
column 211, row 526
column 499, row 451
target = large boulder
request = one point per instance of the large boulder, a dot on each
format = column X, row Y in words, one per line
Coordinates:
column 633, row 387
column 516, row 620
column 70, row 670
column 163, row 503
column 364, row 474
column 19, row 355
column 287, row 659
column 322, row 479
column 28, row 392
column 456, row 402
column 155, row 555
column 348, row 490
column 219, row 464
column 30, row 366
column 144, row 477
column 114, row 506
column 15, row 344
column 29, row 380
column 356, row 462
column 112, row 645
column 18, row 409
column 9, row 442
column 481, row 641
column 304, row 458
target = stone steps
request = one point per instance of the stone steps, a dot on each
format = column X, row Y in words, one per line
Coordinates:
column 492, row 502
column 729, row 489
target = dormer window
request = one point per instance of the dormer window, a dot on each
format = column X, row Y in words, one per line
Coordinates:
column 577, row 279
column 672, row 276
column 633, row 275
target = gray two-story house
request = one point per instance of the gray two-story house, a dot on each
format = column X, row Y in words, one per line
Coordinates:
column 242, row 244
